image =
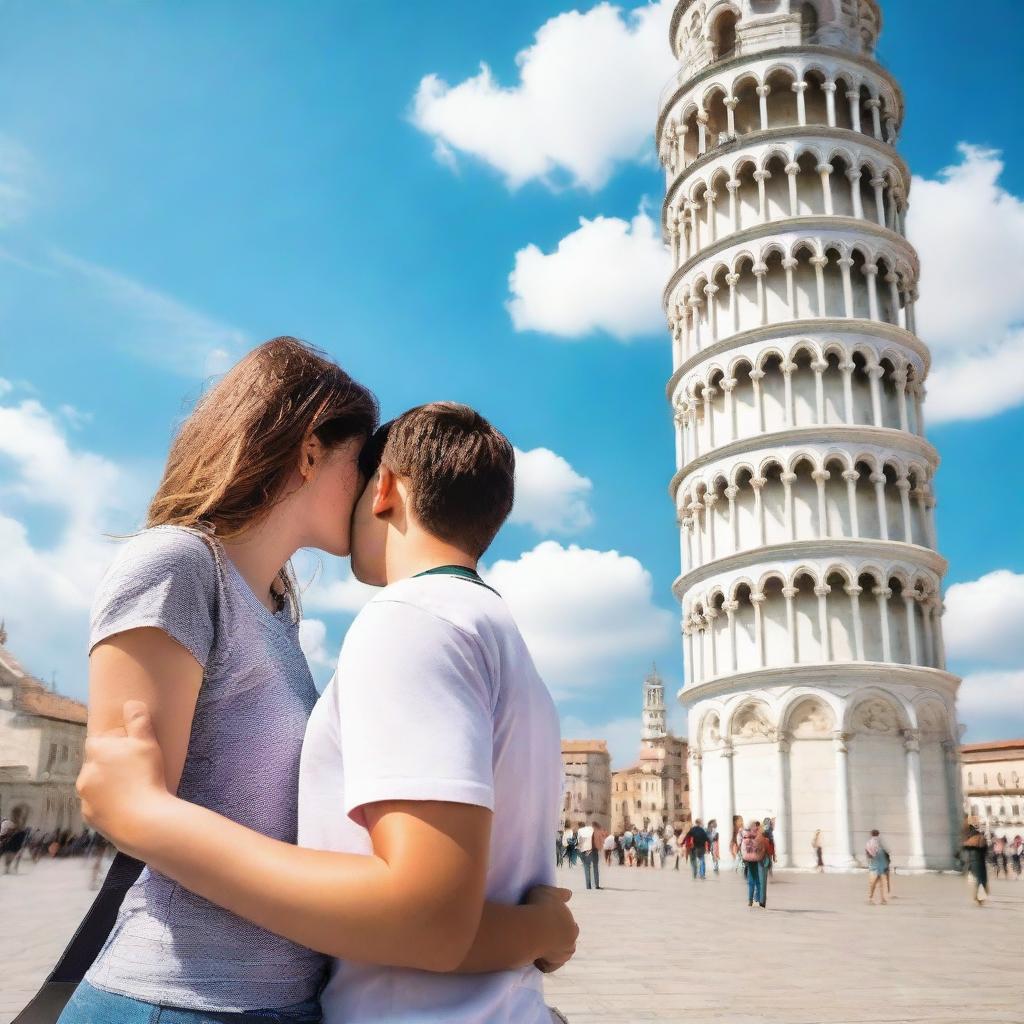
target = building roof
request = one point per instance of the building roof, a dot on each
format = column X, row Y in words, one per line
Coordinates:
column 995, row 749
column 33, row 697
column 584, row 746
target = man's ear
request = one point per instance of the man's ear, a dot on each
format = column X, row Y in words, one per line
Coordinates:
column 385, row 493
column 310, row 456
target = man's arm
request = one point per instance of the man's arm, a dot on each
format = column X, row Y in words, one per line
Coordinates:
column 416, row 902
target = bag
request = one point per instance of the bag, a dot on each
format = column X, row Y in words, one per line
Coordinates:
column 85, row 945
column 748, row 846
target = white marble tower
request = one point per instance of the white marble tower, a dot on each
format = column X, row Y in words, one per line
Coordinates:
column 815, row 679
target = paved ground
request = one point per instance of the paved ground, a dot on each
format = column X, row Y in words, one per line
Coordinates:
column 657, row 946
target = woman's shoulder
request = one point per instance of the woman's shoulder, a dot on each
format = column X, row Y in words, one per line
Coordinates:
column 170, row 545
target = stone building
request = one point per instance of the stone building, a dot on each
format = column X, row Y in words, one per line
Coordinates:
column 654, row 791
column 993, row 784
column 41, row 740
column 587, row 793
column 815, row 685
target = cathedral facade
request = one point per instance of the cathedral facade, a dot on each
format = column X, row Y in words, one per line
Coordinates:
column 816, row 687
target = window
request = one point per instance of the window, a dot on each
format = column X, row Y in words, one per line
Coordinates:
column 64, row 752
column 970, row 778
column 974, row 809
column 808, row 22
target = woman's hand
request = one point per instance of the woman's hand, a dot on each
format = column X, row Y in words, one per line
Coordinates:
column 561, row 930
column 122, row 782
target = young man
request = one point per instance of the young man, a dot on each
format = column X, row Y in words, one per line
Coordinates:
column 435, row 725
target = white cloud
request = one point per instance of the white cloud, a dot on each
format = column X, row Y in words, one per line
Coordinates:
column 969, row 231
column 47, row 582
column 154, row 326
column 991, row 705
column 550, row 495
column 328, row 584
column 587, row 616
column 586, row 99
column 313, row 640
column 607, row 275
column 984, row 619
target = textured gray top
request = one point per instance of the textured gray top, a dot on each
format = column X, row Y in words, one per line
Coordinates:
column 169, row 946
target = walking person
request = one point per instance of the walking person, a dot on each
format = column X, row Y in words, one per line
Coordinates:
column 571, row 846
column 680, row 849
column 559, row 848
column 697, row 844
column 753, row 850
column 713, row 843
column 975, row 849
column 734, row 844
column 878, row 867
column 817, row 844
column 609, row 847
column 629, row 847
column 1016, row 852
column 588, row 852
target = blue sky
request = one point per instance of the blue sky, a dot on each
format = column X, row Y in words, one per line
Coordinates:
column 181, row 181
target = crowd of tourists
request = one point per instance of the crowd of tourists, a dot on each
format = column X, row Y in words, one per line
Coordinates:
column 18, row 842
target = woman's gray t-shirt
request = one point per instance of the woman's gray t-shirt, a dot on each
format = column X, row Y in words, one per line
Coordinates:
column 168, row 945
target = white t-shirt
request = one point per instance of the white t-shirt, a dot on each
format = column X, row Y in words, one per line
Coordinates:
column 585, row 839
column 609, row 842
column 436, row 698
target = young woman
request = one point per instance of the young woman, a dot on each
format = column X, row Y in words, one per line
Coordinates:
column 199, row 618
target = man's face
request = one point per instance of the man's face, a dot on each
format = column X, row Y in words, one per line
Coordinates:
column 369, row 539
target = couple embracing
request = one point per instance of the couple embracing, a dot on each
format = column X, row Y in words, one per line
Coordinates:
column 379, row 854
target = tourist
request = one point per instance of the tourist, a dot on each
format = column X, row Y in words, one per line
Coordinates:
column 768, row 828
column 754, row 851
column 878, row 867
column 734, row 845
column 610, row 845
column 998, row 853
column 571, row 846
column 713, row 843
column 1016, row 853
column 642, row 848
column 697, row 844
column 268, row 463
column 629, row 846
column 658, row 848
column 589, row 851
column 975, row 849
column 817, row 844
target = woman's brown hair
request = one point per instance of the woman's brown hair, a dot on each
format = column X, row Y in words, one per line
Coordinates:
column 230, row 460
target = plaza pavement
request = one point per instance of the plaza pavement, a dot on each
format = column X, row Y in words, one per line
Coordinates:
column 657, row 946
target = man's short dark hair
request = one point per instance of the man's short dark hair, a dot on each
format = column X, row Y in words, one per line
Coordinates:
column 461, row 471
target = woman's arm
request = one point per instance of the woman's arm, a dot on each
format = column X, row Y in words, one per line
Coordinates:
column 147, row 665
column 418, row 901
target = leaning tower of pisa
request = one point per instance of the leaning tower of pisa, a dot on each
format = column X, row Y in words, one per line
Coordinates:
column 815, row 681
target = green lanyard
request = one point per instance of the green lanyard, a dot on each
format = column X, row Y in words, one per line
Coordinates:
column 461, row 572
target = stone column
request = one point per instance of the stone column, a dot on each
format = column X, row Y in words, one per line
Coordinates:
column 734, row 307
column 927, row 603
column 845, row 263
column 822, row 590
column 711, row 290
column 909, row 597
column 819, row 263
column 734, row 202
column 729, row 805
column 710, row 195
column 877, row 184
column 731, row 102
column 782, row 822
column 788, row 479
column 873, row 104
column 757, row 600
column 787, row 369
column 702, row 132
column 847, row 368
column 912, row 743
column 690, row 678
column 789, row 593
column 825, row 170
column 870, row 272
column 730, row 608
column 761, row 176
column 756, row 376
column 788, row 264
column 883, row 594
column 878, row 479
column 854, row 592
column 762, row 93
column 728, row 385
column 760, row 269
column 875, row 373
column 854, row 177
column 851, row 476
column 903, row 484
column 940, row 647
column 710, row 499
column 801, row 106
column 854, row 97
column 844, row 848
column 756, row 483
column 901, row 398
column 792, row 170
column 820, row 476
column 830, row 102
column 696, row 785
column 710, row 614
column 731, row 493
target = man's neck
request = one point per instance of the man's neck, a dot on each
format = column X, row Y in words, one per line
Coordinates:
column 422, row 554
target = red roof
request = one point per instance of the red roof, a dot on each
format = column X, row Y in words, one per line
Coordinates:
column 33, row 697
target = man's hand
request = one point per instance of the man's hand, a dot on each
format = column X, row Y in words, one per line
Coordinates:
column 122, row 781
column 562, row 930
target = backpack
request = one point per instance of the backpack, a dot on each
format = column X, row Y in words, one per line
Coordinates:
column 748, row 846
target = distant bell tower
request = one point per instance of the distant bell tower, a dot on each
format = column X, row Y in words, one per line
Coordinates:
column 654, row 706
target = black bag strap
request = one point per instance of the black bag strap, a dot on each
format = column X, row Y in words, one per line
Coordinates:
column 85, row 944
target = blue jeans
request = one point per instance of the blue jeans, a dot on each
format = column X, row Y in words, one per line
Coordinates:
column 753, row 881
column 590, row 860
column 93, row 1006
column 697, row 863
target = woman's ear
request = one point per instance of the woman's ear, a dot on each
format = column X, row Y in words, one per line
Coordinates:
column 310, row 457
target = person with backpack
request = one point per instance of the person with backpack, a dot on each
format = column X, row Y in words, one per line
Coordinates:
column 754, row 851
column 878, row 867
column 697, row 844
column 628, row 846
